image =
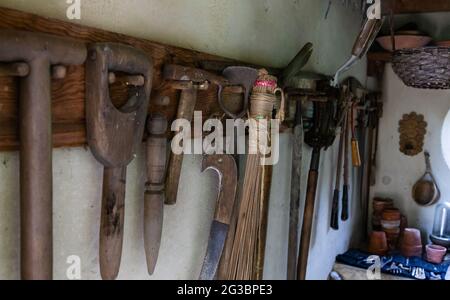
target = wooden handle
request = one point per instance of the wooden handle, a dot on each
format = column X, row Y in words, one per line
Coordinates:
column 344, row 213
column 153, row 221
column 308, row 216
column 334, row 223
column 366, row 37
column 186, row 108
column 356, row 157
column 154, row 196
column 14, row 69
column 112, row 220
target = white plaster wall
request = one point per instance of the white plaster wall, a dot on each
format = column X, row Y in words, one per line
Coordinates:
column 397, row 173
column 267, row 32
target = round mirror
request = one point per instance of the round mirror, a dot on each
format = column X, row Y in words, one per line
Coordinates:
column 446, row 139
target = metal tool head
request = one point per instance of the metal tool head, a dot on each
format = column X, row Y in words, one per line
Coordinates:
column 216, row 243
column 182, row 73
column 226, row 168
column 242, row 76
column 299, row 61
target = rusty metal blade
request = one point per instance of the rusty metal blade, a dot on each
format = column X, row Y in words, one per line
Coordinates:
column 216, row 244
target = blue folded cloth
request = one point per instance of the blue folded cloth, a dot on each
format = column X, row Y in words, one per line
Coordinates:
column 398, row 265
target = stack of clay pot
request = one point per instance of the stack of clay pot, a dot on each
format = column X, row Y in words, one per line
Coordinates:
column 379, row 205
column 411, row 243
column 390, row 224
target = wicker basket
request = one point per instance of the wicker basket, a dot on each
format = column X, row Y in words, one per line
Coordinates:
column 425, row 68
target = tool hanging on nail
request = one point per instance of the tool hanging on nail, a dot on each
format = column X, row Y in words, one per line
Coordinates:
column 365, row 39
column 37, row 54
column 226, row 168
column 346, row 187
column 297, row 85
column 189, row 81
column 320, row 136
column 114, row 135
column 334, row 223
column 156, row 154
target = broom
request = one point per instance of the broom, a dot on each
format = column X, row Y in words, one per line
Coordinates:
column 248, row 244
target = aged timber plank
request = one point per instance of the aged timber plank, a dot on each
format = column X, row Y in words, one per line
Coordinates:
column 68, row 93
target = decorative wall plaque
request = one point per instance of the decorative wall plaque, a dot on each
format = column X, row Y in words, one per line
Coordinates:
column 412, row 129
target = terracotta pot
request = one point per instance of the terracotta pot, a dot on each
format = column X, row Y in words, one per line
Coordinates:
column 404, row 42
column 378, row 243
column 380, row 204
column 391, row 214
column 435, row 253
column 411, row 251
column 443, row 44
column 411, row 237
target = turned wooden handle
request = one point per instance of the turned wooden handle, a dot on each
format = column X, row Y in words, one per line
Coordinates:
column 112, row 220
column 186, row 108
column 154, row 196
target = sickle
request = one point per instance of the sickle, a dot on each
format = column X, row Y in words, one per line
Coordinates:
column 226, row 168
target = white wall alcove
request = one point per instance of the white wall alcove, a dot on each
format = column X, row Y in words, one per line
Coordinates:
column 446, row 139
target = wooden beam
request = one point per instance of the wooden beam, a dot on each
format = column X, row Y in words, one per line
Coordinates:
column 414, row 6
column 68, row 99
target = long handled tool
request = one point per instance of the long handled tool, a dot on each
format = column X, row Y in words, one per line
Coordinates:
column 346, row 187
column 114, row 136
column 39, row 52
column 225, row 166
column 365, row 39
column 189, row 80
column 154, row 196
column 321, row 135
column 334, row 223
column 295, row 192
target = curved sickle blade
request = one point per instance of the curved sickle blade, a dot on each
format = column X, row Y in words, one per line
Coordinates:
column 225, row 166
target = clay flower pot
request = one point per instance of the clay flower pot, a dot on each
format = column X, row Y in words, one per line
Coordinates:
column 378, row 243
column 391, row 214
column 404, row 42
column 435, row 253
column 411, row 237
column 380, row 204
column 411, row 251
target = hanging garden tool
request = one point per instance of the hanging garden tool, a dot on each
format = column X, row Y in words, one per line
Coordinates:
column 189, row 81
column 237, row 76
column 346, row 187
column 226, row 168
column 425, row 191
column 114, row 135
column 247, row 254
column 334, row 223
column 320, row 136
column 365, row 39
column 154, row 196
column 38, row 54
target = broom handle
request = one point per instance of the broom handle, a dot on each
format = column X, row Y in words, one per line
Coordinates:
column 308, row 214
